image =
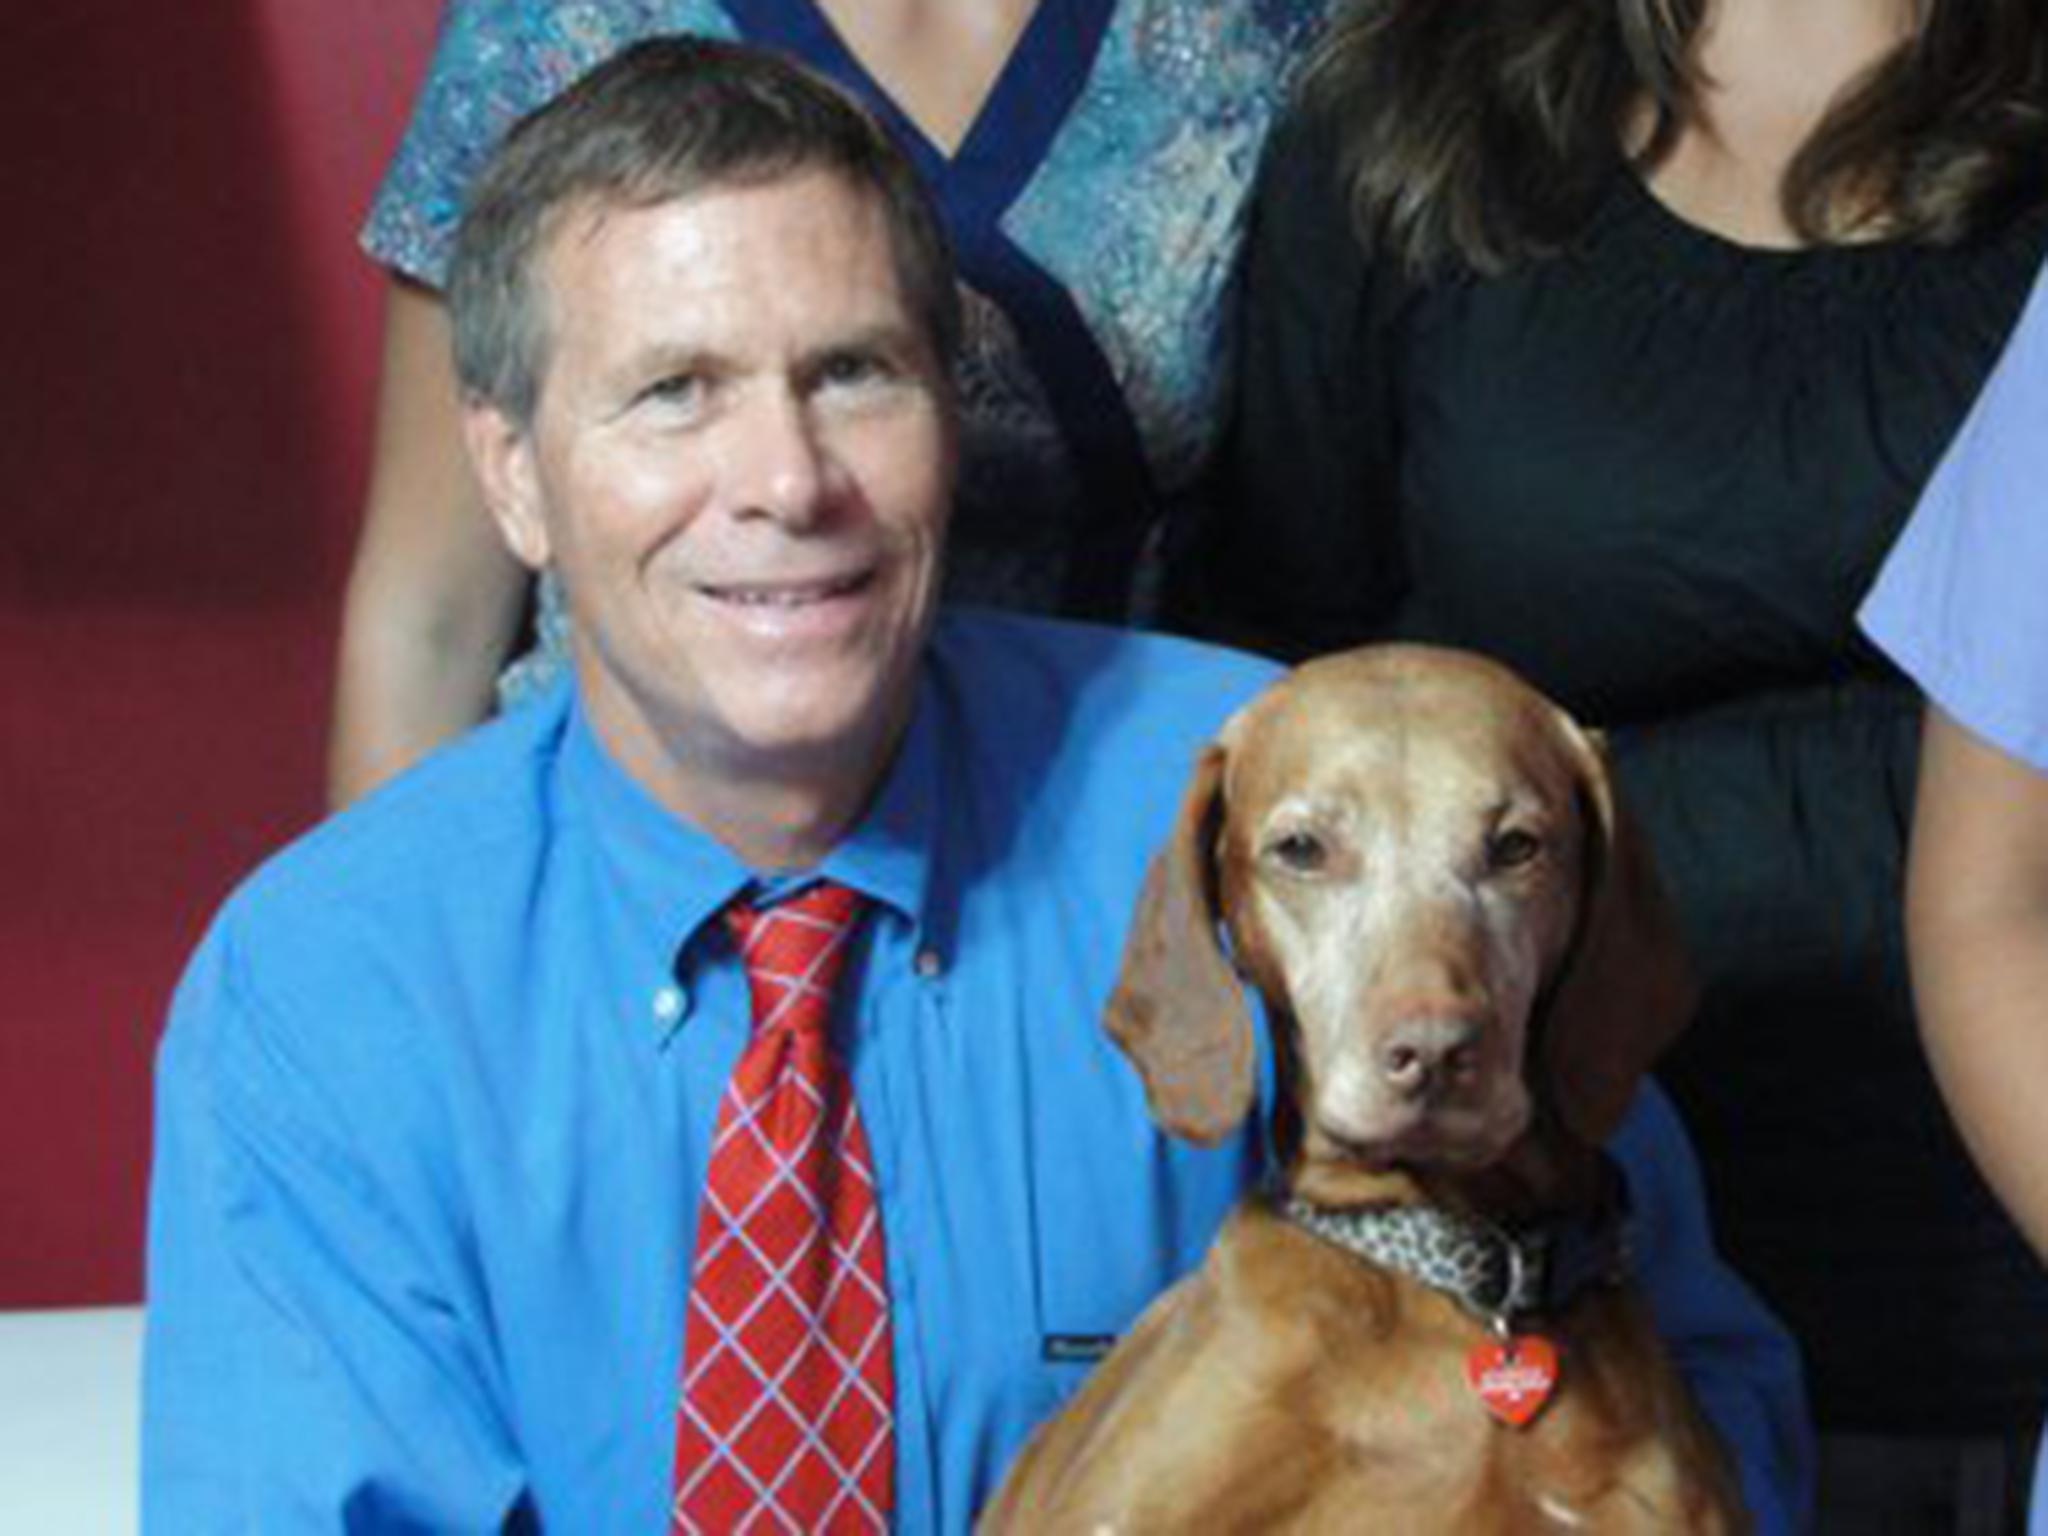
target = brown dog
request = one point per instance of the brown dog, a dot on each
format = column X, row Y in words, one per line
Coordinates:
column 1468, row 965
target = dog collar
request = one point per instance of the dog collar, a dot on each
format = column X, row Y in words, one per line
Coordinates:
column 1496, row 1274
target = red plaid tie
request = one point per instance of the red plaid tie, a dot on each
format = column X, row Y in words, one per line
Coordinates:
column 788, row 1388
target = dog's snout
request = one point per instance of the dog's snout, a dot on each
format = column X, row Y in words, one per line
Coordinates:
column 1424, row 1056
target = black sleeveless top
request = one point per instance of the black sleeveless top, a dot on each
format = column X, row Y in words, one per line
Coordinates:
column 1656, row 474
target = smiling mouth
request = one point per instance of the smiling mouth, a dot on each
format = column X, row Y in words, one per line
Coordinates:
column 786, row 595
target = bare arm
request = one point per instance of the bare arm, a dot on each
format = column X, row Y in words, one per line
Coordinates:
column 1977, row 931
column 434, row 596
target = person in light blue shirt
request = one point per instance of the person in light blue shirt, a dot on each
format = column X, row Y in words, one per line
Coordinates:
column 435, row 1101
column 1958, row 607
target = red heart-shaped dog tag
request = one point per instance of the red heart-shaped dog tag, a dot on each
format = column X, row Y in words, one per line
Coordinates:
column 1513, row 1377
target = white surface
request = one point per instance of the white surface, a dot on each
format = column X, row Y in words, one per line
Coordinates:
column 68, row 1412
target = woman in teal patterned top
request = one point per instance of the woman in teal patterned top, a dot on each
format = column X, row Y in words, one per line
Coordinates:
column 1092, row 160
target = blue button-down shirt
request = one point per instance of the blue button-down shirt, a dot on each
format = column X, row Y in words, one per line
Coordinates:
column 435, row 1101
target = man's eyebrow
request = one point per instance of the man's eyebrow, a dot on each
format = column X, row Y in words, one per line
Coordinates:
column 894, row 336
column 623, row 385
column 664, row 357
column 642, row 368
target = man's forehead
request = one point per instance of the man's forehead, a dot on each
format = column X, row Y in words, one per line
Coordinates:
column 810, row 239
column 777, row 271
column 585, row 219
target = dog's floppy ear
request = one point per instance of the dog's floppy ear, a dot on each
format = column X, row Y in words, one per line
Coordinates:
column 1627, row 990
column 1178, row 1010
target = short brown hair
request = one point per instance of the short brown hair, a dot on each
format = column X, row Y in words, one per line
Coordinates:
column 665, row 119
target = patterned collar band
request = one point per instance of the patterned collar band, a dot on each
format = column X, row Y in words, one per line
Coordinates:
column 1496, row 1275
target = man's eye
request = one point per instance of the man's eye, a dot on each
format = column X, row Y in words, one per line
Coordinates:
column 675, row 389
column 850, row 368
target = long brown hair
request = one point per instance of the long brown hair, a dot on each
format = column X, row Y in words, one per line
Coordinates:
column 1483, row 132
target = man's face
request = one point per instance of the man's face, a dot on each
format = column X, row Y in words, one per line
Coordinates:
column 740, row 464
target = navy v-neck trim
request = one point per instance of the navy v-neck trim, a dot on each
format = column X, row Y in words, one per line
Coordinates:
column 1044, row 76
column 801, row 30
column 1016, row 123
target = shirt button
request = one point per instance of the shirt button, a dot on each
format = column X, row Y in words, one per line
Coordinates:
column 668, row 1005
column 928, row 963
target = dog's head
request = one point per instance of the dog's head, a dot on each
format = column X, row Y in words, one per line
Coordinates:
column 1421, row 865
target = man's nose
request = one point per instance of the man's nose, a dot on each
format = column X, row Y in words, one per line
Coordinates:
column 784, row 467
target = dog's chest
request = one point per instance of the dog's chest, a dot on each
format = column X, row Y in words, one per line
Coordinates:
column 1365, row 1396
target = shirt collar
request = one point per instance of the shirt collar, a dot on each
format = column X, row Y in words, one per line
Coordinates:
column 674, row 877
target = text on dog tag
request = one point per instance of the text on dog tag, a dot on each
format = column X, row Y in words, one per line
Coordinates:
column 1513, row 1377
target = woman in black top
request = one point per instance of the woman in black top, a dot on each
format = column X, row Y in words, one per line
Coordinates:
column 1615, row 339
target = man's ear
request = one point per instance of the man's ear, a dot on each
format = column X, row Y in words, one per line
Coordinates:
column 501, row 451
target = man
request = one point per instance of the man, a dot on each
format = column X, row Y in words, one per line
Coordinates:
column 445, row 1220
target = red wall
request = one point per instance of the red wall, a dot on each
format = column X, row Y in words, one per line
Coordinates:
column 182, row 438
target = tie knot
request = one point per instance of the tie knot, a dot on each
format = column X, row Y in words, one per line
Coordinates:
column 793, row 951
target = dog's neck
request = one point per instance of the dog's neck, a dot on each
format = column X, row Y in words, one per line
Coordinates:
column 1545, row 1172
column 1521, row 1237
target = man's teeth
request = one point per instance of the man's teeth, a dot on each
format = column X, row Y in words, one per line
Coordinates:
column 785, row 597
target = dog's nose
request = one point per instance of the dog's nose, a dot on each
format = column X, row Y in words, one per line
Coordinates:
column 1421, row 1057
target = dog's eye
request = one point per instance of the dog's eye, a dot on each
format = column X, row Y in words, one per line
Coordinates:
column 1302, row 853
column 1512, row 848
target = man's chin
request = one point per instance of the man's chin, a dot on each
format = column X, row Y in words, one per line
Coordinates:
column 822, row 718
